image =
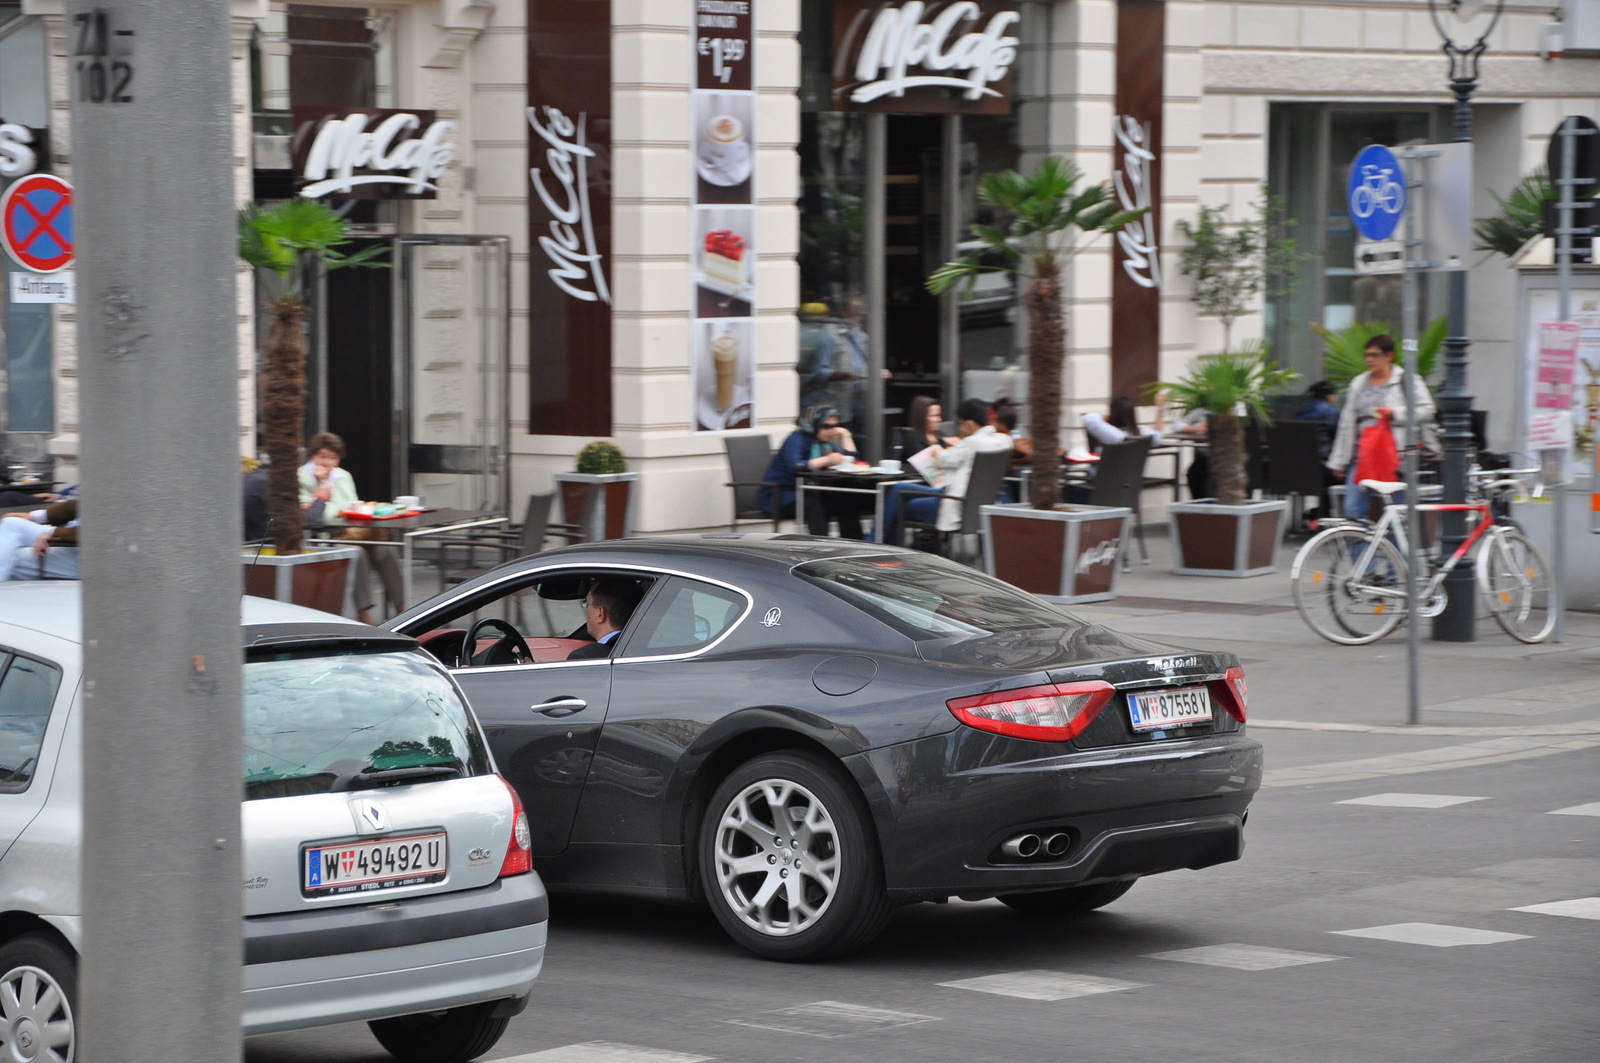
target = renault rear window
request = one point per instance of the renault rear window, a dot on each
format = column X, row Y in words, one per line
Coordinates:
column 928, row 598
column 332, row 718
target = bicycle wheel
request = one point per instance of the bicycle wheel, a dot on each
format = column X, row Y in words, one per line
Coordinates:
column 1517, row 584
column 1340, row 604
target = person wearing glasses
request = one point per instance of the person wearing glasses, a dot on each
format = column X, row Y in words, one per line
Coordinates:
column 1373, row 395
column 606, row 609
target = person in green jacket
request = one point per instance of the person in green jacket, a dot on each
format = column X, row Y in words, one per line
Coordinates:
column 331, row 490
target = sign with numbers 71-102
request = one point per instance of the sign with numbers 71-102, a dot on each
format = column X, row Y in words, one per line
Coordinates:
column 102, row 58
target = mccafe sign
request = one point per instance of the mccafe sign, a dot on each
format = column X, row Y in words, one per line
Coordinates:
column 19, row 149
column 916, row 56
column 369, row 153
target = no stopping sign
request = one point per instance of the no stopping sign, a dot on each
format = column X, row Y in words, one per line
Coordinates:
column 36, row 222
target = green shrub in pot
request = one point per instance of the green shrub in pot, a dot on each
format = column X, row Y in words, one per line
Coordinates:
column 601, row 458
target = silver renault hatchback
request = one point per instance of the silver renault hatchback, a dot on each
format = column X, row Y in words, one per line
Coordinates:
column 387, row 871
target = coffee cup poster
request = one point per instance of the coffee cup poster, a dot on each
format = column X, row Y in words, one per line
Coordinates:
column 723, row 253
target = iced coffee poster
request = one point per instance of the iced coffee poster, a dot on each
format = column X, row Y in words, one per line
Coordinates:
column 724, row 374
column 724, row 146
column 724, row 262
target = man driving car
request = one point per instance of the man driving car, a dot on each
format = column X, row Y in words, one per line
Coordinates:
column 606, row 609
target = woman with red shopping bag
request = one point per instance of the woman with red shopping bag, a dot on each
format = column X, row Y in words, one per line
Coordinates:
column 1374, row 403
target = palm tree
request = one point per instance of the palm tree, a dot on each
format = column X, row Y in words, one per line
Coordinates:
column 1220, row 384
column 290, row 241
column 1047, row 213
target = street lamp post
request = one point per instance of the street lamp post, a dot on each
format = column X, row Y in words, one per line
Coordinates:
column 1455, row 623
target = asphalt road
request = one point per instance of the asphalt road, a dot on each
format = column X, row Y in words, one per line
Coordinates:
column 1283, row 980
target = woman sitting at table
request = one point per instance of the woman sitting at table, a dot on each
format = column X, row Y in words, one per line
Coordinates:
column 820, row 443
column 954, row 462
column 921, row 429
column 326, row 490
column 1121, row 422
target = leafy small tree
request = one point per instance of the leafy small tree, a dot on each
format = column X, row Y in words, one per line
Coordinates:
column 1232, row 264
column 1222, row 384
column 1344, row 351
column 1048, row 213
column 291, row 242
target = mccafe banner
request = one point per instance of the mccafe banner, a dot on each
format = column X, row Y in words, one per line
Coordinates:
column 1136, row 181
column 569, row 217
column 21, row 149
column 911, row 56
column 369, row 153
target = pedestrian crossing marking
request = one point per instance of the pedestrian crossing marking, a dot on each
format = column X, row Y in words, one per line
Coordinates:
column 1592, row 809
column 605, row 1052
column 1243, row 957
column 1042, row 985
column 1438, row 935
column 1579, row 908
column 1410, row 800
column 830, row 1019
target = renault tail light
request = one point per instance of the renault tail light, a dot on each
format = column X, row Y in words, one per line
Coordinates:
column 519, row 849
column 1055, row 712
column 1232, row 693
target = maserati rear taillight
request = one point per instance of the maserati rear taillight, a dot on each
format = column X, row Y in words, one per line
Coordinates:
column 1055, row 712
column 519, row 849
column 1232, row 693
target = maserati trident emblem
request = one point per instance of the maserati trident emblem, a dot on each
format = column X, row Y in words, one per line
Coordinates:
column 370, row 816
column 773, row 616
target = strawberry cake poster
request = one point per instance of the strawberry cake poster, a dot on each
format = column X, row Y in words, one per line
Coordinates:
column 723, row 258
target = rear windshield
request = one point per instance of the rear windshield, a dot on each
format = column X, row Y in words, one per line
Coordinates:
column 315, row 717
column 929, row 598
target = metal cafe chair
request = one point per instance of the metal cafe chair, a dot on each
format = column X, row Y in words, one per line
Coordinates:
column 983, row 489
column 1119, row 481
column 748, row 459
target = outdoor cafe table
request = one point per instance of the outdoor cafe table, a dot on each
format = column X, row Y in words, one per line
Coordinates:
column 873, row 482
column 428, row 522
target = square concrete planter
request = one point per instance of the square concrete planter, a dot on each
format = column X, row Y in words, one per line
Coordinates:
column 316, row 579
column 1070, row 554
column 600, row 504
column 1211, row 539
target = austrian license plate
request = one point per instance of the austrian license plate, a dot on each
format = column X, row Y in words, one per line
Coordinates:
column 370, row 866
column 1152, row 709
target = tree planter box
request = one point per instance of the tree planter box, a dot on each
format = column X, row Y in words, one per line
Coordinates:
column 600, row 504
column 317, row 579
column 1216, row 540
column 1070, row 554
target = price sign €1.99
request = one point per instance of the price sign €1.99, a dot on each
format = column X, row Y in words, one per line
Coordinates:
column 722, row 44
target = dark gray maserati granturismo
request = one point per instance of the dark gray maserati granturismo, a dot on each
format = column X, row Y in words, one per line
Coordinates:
column 803, row 733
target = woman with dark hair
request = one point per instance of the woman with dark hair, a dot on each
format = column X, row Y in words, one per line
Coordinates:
column 820, row 442
column 1374, row 396
column 921, row 429
column 1119, row 423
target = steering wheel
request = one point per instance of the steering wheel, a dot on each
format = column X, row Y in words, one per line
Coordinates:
column 511, row 641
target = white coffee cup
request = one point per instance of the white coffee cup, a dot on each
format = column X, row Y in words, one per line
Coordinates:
column 889, row 465
column 408, row 502
column 725, row 129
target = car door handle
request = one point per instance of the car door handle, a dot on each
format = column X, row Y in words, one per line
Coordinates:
column 559, row 707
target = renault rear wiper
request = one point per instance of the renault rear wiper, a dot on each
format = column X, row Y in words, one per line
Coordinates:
column 373, row 778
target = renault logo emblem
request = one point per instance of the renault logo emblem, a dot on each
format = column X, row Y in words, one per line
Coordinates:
column 370, row 816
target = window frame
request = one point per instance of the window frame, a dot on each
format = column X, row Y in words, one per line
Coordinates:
column 667, row 586
column 10, row 656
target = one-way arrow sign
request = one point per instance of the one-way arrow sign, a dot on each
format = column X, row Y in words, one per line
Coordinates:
column 1380, row 256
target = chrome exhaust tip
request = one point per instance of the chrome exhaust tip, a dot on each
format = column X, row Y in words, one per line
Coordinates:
column 1056, row 845
column 1022, row 847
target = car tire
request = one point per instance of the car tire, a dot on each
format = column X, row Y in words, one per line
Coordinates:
column 1075, row 900
column 453, row 1036
column 42, row 974
column 820, row 832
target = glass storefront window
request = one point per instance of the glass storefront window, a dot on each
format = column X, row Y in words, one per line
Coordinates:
column 832, row 264
column 1310, row 148
column 28, row 414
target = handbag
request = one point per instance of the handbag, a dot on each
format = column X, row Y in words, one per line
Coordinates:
column 1378, row 459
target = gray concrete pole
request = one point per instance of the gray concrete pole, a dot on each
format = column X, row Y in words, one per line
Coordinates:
column 876, row 207
column 152, row 164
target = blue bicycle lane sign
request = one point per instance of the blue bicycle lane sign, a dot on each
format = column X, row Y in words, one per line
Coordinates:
column 1376, row 192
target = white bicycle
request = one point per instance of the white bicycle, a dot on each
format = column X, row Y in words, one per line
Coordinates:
column 1350, row 578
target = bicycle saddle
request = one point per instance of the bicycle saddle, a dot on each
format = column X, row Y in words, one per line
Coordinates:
column 1383, row 487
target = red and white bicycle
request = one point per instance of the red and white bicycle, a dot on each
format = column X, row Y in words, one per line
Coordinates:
column 1350, row 578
